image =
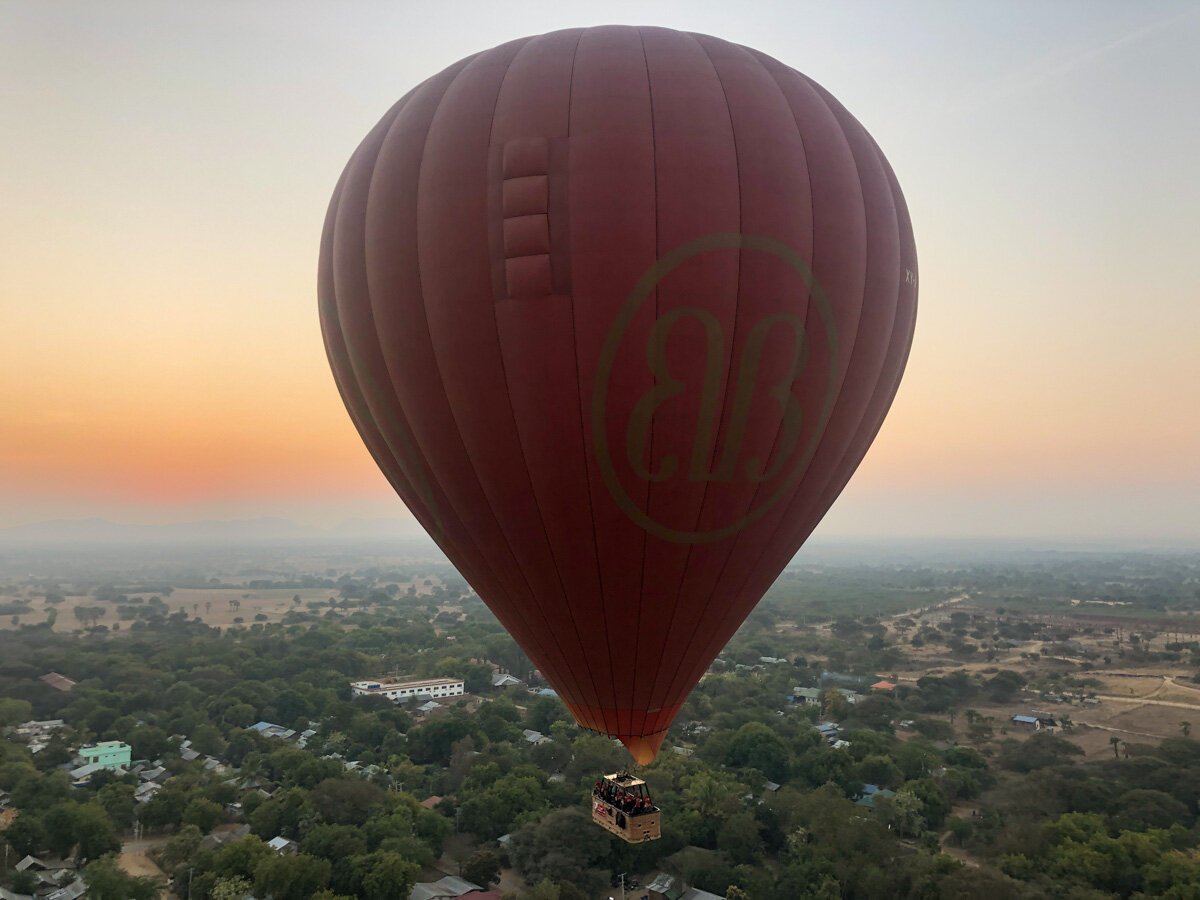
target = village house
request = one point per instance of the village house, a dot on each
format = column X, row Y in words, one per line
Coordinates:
column 111, row 755
column 448, row 888
column 269, row 729
column 403, row 690
column 1036, row 723
column 57, row 681
column 806, row 696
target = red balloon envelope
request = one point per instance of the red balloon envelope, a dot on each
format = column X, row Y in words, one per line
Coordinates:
column 618, row 312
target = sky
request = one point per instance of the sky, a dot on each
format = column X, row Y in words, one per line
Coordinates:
column 165, row 169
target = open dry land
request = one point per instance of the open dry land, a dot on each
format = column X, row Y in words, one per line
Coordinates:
column 216, row 606
column 1134, row 703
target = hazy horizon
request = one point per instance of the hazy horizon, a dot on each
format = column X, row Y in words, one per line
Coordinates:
column 166, row 170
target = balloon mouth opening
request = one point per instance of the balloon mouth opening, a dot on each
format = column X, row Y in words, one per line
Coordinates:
column 643, row 748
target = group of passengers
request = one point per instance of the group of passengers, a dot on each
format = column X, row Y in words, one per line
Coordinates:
column 628, row 802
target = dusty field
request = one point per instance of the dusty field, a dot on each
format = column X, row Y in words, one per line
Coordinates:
column 213, row 606
column 220, row 606
column 66, row 619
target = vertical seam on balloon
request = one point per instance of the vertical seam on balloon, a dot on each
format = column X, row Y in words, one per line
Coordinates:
column 335, row 341
column 583, row 430
column 671, row 683
column 728, row 374
column 441, row 380
column 850, row 359
column 349, row 356
column 549, row 544
column 637, row 631
column 521, row 446
column 422, row 457
column 722, row 622
column 891, row 388
column 360, row 395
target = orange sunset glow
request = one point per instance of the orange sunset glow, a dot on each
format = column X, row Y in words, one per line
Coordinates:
column 163, row 202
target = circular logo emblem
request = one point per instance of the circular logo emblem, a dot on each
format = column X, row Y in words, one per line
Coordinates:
column 717, row 455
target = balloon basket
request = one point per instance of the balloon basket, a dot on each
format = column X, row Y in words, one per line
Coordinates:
column 631, row 827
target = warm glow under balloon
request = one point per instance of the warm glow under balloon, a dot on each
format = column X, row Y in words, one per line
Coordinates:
column 618, row 312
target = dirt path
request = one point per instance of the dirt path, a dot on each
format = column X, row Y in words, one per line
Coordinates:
column 1122, row 730
column 921, row 610
column 134, row 859
column 1147, row 701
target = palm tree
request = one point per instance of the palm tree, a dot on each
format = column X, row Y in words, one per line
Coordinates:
column 1114, row 740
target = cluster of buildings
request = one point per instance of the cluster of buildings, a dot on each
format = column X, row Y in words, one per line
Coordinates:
column 852, row 687
column 57, row 879
column 1048, row 724
column 37, row 734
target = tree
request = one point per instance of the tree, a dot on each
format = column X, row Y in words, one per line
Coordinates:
column 346, row 801
column 24, row 882
column 202, row 813
column 875, row 712
column 387, row 875
column 27, row 835
column 709, row 796
column 1115, row 741
column 291, row 877
column 14, row 712
column 241, row 859
column 544, row 712
column 94, row 832
column 231, row 889
column 1186, row 728
column 564, row 847
column 148, row 742
column 757, row 746
column 163, row 809
column 1040, row 751
column 482, row 867
column 432, row 742
column 494, row 811
column 118, row 802
column 903, row 813
column 207, row 739
column 180, row 848
column 879, row 769
column 739, row 838
column 61, row 828
column 1140, row 809
column 108, row 881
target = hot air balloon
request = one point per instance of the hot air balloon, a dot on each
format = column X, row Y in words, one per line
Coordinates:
column 618, row 312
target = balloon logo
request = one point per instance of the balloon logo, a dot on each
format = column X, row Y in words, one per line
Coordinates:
column 618, row 312
column 666, row 386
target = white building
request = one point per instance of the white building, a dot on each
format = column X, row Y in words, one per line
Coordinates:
column 402, row 690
